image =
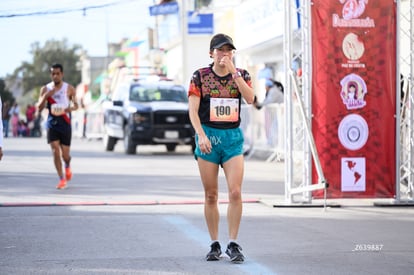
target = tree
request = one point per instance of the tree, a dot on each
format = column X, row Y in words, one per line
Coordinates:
column 36, row 74
column 5, row 94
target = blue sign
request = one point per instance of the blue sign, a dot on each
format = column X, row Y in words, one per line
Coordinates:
column 298, row 14
column 200, row 23
column 168, row 8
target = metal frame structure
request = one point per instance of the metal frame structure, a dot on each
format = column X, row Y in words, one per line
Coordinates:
column 297, row 51
column 301, row 38
column 405, row 24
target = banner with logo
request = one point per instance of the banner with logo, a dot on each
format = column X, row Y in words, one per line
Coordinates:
column 354, row 96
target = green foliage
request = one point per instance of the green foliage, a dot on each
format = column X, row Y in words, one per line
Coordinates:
column 5, row 94
column 198, row 4
column 36, row 74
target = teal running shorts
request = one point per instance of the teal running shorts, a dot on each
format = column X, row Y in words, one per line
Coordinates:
column 225, row 144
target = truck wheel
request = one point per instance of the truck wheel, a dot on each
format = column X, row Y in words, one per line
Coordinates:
column 129, row 146
column 171, row 147
column 109, row 142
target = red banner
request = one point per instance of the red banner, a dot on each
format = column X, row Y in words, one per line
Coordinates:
column 354, row 96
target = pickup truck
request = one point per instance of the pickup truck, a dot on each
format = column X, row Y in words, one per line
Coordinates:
column 147, row 112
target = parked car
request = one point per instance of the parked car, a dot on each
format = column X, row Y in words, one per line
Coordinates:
column 147, row 111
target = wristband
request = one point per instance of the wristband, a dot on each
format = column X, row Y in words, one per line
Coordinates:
column 236, row 75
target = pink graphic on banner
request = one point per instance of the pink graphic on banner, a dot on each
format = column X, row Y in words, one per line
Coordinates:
column 353, row 8
column 353, row 91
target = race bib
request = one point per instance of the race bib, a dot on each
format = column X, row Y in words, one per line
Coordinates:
column 224, row 109
column 57, row 109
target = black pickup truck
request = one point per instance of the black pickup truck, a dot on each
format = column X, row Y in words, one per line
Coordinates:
column 145, row 112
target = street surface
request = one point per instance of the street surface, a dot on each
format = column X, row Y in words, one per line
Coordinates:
column 143, row 214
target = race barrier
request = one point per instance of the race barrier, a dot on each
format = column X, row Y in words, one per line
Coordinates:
column 264, row 131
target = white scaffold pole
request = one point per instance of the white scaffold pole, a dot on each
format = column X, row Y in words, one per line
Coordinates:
column 301, row 10
column 322, row 184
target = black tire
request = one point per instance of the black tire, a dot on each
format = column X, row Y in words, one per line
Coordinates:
column 171, row 147
column 129, row 146
column 109, row 142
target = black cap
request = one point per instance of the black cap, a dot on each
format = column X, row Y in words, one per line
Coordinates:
column 220, row 40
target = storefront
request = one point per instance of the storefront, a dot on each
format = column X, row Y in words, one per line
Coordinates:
column 258, row 34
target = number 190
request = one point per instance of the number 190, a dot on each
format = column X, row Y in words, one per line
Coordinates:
column 222, row 110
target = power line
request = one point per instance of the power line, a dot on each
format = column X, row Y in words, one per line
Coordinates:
column 60, row 11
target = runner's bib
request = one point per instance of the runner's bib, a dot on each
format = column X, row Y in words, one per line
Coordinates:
column 224, row 109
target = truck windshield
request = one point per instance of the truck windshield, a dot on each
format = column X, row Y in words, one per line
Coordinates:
column 146, row 94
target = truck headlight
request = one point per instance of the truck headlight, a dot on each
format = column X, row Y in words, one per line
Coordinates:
column 138, row 118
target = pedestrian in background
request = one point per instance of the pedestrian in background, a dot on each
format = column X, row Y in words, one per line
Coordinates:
column 30, row 116
column 15, row 118
column 215, row 96
column 1, row 132
column 5, row 116
column 59, row 98
column 274, row 94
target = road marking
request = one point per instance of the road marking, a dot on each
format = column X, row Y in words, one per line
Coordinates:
column 97, row 203
column 250, row 266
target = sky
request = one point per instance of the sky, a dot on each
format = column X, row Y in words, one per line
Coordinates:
column 110, row 21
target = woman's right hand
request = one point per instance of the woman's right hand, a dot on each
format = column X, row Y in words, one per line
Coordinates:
column 204, row 144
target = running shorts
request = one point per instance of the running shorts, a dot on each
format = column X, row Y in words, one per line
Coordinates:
column 225, row 144
column 64, row 137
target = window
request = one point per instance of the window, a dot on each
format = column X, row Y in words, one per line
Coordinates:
column 148, row 94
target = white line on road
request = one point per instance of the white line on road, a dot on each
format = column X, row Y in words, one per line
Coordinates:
column 192, row 232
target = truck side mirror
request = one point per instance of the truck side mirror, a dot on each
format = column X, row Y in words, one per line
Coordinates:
column 118, row 103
